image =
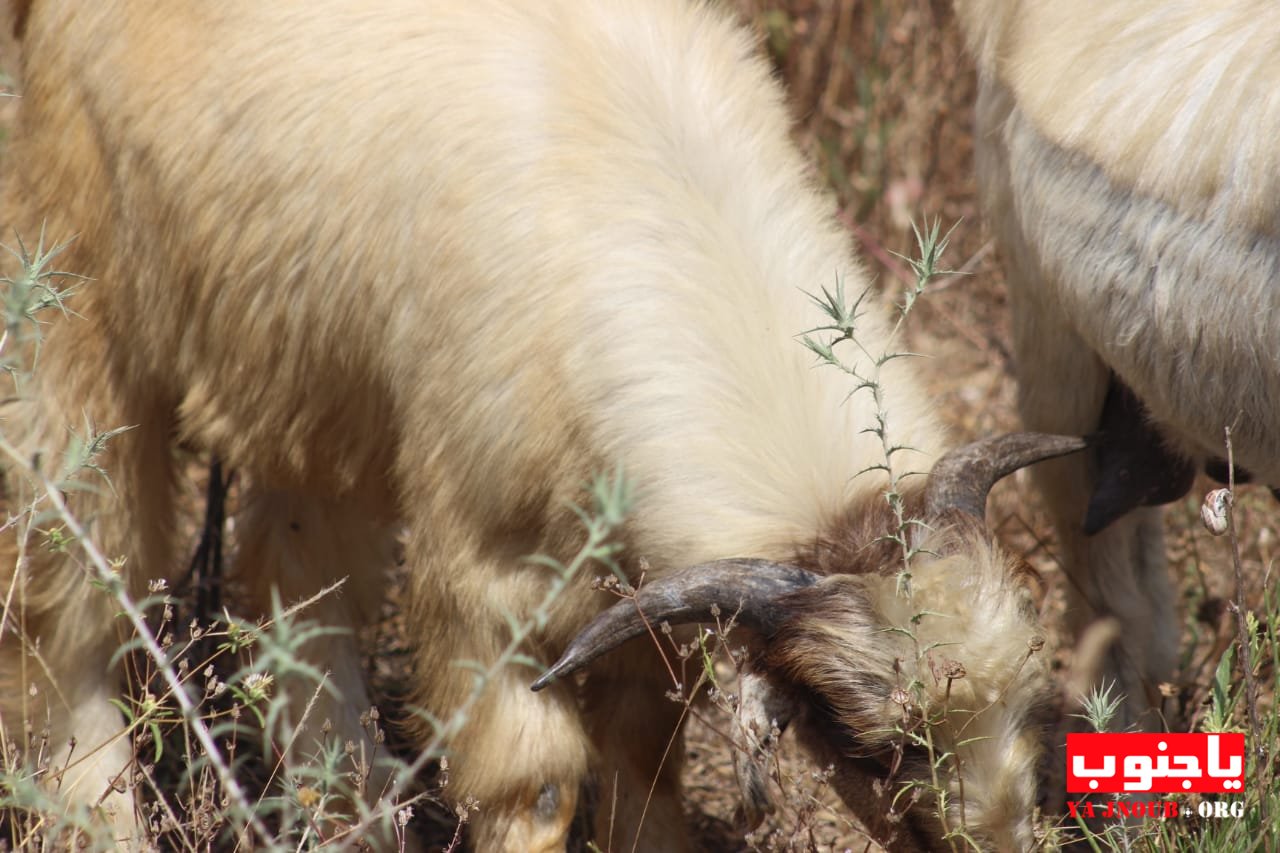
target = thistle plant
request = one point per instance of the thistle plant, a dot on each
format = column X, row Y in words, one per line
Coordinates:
column 843, row 315
column 866, row 369
column 1099, row 706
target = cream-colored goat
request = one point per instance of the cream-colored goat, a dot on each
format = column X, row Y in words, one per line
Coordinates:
column 432, row 265
column 1128, row 160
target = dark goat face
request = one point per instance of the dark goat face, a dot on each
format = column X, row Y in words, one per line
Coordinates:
column 886, row 683
column 920, row 690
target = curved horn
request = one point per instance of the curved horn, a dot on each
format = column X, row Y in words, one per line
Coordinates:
column 962, row 478
column 746, row 587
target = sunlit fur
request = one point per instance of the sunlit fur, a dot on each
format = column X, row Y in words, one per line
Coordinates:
column 865, row 686
column 1128, row 164
column 1170, row 99
column 431, row 266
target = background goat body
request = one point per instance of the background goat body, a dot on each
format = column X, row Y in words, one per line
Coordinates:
column 433, row 265
column 1128, row 162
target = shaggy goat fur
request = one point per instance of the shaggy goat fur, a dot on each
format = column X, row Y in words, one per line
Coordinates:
column 1128, row 163
column 432, row 265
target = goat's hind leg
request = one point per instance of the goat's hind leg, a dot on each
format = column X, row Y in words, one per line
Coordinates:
column 1115, row 578
column 61, row 628
column 1118, row 572
column 295, row 546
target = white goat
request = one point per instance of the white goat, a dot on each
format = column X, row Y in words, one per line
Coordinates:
column 433, row 264
column 1128, row 161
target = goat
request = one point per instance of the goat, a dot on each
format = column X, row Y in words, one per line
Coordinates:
column 1127, row 165
column 432, row 265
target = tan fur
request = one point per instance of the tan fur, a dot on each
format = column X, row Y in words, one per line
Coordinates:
column 434, row 265
column 970, row 607
column 1127, row 161
column 1173, row 99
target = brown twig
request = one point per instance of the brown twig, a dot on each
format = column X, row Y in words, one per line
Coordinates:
column 1242, row 614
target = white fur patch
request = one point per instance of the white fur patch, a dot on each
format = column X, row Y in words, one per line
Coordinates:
column 1171, row 99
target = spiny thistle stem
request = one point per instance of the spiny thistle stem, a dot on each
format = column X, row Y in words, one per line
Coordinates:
column 843, row 317
column 109, row 577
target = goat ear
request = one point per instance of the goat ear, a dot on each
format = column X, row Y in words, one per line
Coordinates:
column 1134, row 466
column 764, row 712
column 961, row 479
column 745, row 590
